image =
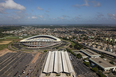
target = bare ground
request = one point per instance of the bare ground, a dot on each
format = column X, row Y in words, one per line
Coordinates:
column 4, row 51
column 5, row 42
column 35, row 57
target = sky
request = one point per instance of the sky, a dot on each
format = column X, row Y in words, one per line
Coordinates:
column 57, row 11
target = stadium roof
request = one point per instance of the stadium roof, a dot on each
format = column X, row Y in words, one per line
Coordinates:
column 41, row 36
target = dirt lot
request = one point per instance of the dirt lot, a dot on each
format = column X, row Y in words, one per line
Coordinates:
column 5, row 42
column 35, row 57
column 4, row 51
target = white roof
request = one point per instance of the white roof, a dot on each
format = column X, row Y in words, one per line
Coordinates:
column 90, row 52
column 58, row 61
column 102, row 63
column 42, row 39
column 103, row 51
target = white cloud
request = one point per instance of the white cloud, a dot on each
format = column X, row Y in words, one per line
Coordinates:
column 40, row 16
column 28, row 17
column 39, row 8
column 65, row 16
column 60, row 17
column 14, row 17
column 100, row 15
column 112, row 16
column 96, row 4
column 10, row 4
column 85, row 4
column 34, row 17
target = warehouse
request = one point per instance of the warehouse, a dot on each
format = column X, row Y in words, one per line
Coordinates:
column 90, row 53
column 58, row 62
column 106, row 66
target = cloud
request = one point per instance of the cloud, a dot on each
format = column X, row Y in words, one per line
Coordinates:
column 96, row 4
column 10, row 4
column 40, row 16
column 100, row 15
column 65, row 16
column 112, row 16
column 60, row 17
column 39, row 8
column 34, row 17
column 77, row 18
column 2, row 11
column 85, row 4
column 47, row 11
column 14, row 17
column 28, row 17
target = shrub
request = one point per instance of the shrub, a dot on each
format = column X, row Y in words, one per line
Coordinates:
column 101, row 74
column 45, row 50
column 87, row 64
column 95, row 69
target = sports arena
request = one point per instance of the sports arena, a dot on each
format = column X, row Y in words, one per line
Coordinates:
column 40, row 41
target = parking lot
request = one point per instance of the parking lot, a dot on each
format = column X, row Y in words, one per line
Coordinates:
column 12, row 64
column 80, row 68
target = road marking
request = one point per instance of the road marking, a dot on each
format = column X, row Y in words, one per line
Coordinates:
column 9, row 63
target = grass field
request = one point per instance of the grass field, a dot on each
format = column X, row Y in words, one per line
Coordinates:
column 3, row 46
column 6, row 40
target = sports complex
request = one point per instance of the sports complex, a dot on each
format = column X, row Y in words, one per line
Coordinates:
column 40, row 41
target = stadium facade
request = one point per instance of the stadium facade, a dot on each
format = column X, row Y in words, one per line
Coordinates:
column 40, row 41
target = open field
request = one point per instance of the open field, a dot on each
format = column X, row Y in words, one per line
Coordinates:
column 5, row 42
column 4, row 51
column 3, row 46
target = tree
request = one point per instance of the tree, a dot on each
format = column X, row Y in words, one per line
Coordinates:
column 101, row 74
column 95, row 69
column 57, row 47
column 79, row 56
column 87, row 64
column 114, row 72
column 111, row 62
column 85, row 38
column 70, row 46
column 45, row 50
column 78, row 46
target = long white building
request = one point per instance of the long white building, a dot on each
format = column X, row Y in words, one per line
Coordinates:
column 58, row 62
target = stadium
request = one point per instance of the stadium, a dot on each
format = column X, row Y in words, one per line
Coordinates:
column 40, row 41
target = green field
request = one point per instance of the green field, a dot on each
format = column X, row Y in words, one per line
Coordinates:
column 3, row 46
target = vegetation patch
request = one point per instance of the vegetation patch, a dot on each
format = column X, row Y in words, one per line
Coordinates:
column 3, row 46
column 87, row 64
column 95, row 69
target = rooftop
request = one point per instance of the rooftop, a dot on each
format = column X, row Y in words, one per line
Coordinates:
column 101, row 62
column 89, row 52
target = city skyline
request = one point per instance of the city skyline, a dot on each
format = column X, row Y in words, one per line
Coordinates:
column 57, row 12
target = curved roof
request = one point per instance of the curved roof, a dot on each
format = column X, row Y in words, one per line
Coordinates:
column 42, row 36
